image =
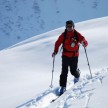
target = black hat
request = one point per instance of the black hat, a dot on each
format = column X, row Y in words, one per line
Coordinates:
column 70, row 22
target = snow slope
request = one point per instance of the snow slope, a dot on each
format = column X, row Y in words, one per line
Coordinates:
column 21, row 19
column 25, row 68
column 87, row 93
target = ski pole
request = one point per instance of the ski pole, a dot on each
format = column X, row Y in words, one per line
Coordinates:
column 52, row 72
column 88, row 61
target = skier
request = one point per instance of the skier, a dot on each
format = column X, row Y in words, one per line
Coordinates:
column 70, row 40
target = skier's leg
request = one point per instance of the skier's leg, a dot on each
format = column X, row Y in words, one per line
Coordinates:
column 64, row 73
column 73, row 67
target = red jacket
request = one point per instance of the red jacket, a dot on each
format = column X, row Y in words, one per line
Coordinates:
column 70, row 51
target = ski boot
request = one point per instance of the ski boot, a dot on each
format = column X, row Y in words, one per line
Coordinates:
column 76, row 80
column 62, row 90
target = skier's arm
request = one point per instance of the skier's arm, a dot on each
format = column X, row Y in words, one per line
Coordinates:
column 58, row 43
column 82, row 40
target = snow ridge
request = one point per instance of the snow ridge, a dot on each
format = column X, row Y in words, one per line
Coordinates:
column 80, row 93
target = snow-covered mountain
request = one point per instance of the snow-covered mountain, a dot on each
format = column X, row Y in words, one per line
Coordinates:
column 21, row 19
column 25, row 68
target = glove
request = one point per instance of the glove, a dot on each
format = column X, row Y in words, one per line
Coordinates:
column 84, row 43
column 54, row 53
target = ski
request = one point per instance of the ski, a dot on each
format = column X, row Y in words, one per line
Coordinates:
column 54, row 99
column 58, row 96
column 58, row 93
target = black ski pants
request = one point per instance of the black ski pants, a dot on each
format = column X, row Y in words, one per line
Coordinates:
column 68, row 62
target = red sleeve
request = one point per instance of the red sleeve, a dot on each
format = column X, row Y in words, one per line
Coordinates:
column 80, row 37
column 58, row 42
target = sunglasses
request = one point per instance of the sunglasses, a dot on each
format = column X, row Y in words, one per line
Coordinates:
column 69, row 26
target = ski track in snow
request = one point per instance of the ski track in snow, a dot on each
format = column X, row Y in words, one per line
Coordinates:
column 80, row 92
